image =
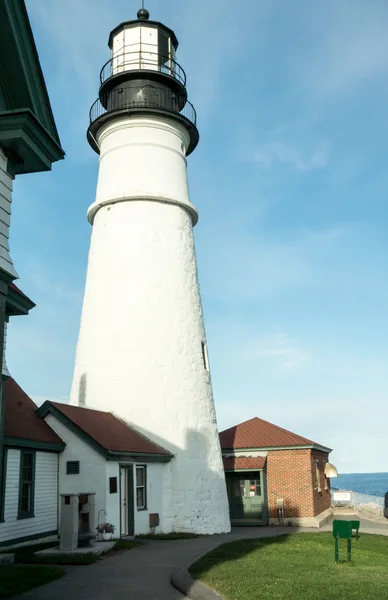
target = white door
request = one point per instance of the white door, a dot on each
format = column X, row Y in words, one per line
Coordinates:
column 127, row 501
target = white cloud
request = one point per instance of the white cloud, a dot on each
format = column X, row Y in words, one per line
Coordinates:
column 283, row 350
column 275, row 152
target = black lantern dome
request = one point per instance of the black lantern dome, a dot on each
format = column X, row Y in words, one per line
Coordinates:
column 142, row 76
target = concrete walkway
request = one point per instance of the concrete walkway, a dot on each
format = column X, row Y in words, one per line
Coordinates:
column 144, row 573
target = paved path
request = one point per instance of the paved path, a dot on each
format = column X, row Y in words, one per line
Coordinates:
column 144, row 573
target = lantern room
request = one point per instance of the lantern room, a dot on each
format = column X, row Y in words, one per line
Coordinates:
column 143, row 45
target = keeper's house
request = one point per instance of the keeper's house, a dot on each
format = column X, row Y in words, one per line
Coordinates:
column 268, row 468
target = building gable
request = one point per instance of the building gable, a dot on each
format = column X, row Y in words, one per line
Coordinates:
column 259, row 434
column 28, row 133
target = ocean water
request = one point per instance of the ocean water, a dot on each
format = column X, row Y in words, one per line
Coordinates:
column 374, row 484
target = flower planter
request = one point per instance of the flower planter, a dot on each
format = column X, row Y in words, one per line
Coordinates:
column 106, row 537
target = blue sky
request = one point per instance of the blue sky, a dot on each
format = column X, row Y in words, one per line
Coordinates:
column 291, row 182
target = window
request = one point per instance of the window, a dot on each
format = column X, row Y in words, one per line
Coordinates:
column 2, row 484
column 72, row 467
column 204, row 356
column 255, row 487
column 164, row 49
column 317, row 477
column 113, row 485
column 141, row 487
column 27, row 485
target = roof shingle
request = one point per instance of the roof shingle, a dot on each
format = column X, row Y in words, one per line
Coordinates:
column 109, row 431
column 20, row 418
column 257, row 433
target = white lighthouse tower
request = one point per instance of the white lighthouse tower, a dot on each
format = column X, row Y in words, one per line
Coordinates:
column 142, row 349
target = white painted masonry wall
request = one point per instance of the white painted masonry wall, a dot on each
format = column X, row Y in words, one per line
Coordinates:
column 154, row 491
column 144, row 360
column 5, row 216
column 92, row 476
column 46, row 497
column 112, row 500
column 155, row 486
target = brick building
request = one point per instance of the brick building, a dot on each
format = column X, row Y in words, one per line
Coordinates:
column 267, row 467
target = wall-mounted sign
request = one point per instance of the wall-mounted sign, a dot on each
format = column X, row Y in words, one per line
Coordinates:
column 341, row 496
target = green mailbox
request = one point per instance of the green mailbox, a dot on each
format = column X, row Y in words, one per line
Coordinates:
column 344, row 530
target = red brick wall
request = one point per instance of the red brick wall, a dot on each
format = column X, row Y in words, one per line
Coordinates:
column 291, row 476
column 322, row 500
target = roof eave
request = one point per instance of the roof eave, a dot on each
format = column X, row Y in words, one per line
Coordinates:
column 17, row 442
column 141, row 456
column 268, row 448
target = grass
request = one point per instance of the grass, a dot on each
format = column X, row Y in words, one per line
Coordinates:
column 291, row 567
column 25, row 556
column 15, row 580
column 168, row 536
column 124, row 545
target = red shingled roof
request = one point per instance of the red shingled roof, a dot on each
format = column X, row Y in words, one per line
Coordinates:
column 109, row 431
column 20, row 418
column 257, row 433
column 243, row 463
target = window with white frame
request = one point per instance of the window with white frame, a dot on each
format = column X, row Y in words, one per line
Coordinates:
column 317, row 476
column 141, row 487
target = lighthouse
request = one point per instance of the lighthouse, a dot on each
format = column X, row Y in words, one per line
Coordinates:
column 142, row 350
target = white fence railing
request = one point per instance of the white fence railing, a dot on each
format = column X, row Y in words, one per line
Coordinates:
column 374, row 505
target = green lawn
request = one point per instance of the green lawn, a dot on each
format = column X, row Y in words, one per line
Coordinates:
column 297, row 566
column 16, row 579
column 124, row 545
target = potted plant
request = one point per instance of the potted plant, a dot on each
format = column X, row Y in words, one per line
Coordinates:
column 105, row 530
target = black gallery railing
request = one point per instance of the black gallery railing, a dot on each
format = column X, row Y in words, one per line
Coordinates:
column 147, row 96
column 142, row 61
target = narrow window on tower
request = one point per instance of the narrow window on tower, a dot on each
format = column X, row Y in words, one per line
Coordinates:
column 205, row 356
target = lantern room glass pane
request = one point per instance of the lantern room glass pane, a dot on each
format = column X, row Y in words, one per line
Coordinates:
column 164, row 48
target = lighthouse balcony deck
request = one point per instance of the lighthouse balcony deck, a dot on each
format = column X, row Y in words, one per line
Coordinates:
column 147, row 98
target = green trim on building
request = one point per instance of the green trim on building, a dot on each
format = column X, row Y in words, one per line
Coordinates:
column 18, row 304
column 137, row 456
column 242, row 470
column 12, row 442
column 28, row 538
column 26, row 143
column 268, row 448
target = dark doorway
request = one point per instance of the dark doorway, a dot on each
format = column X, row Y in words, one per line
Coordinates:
column 247, row 495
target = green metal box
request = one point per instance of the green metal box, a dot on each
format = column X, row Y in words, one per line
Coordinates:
column 344, row 529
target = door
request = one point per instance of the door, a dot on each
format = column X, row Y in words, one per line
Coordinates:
column 253, row 500
column 127, row 501
column 247, row 496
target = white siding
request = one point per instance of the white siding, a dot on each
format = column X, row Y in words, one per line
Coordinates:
column 5, row 214
column 112, row 500
column 46, row 497
column 6, row 373
column 92, row 476
column 156, row 474
column 155, row 483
